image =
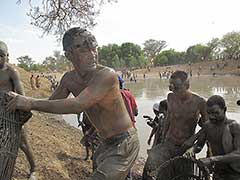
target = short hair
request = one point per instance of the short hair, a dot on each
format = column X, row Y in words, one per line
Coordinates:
column 163, row 104
column 3, row 48
column 216, row 100
column 78, row 37
column 180, row 74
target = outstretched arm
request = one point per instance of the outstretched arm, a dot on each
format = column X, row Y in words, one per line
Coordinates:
column 97, row 89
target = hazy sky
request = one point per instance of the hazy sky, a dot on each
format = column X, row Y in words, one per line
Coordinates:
column 179, row 22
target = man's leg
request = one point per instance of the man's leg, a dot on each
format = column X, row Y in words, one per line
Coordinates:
column 24, row 146
column 115, row 161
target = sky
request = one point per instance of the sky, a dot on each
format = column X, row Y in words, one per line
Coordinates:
column 181, row 23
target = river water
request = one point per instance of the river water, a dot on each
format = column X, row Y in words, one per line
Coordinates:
column 149, row 91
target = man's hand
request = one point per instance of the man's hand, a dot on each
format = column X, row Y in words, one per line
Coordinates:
column 189, row 153
column 18, row 102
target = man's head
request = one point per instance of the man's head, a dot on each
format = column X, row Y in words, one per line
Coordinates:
column 179, row 81
column 3, row 54
column 80, row 48
column 216, row 109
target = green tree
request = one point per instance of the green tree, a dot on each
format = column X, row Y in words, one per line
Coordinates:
column 161, row 60
column 197, row 52
column 25, row 62
column 231, row 44
column 131, row 53
column 214, row 48
column 152, row 48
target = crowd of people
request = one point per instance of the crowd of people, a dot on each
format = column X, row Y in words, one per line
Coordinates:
column 111, row 109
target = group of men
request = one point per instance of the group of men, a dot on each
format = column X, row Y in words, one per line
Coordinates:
column 96, row 93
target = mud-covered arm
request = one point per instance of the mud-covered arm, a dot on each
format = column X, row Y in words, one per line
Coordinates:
column 203, row 112
column 166, row 123
column 15, row 77
column 97, row 89
column 197, row 141
column 235, row 154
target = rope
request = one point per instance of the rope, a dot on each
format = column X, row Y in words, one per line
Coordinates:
column 10, row 129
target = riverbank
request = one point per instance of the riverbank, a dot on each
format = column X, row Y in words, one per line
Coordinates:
column 230, row 67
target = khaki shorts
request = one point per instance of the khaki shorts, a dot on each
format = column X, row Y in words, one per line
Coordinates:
column 115, row 156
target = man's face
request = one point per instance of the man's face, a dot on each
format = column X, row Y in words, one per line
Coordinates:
column 216, row 114
column 3, row 59
column 84, row 59
column 176, row 85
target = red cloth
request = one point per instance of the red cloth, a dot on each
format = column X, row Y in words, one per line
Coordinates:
column 130, row 103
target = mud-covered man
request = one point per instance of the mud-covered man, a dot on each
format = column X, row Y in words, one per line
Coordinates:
column 10, row 81
column 96, row 91
column 184, row 109
column 223, row 136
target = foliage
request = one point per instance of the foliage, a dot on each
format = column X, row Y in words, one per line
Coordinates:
column 25, row 62
column 197, row 52
column 152, row 48
column 56, row 17
column 169, row 57
column 231, row 44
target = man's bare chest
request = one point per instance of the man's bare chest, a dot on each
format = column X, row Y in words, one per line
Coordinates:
column 5, row 79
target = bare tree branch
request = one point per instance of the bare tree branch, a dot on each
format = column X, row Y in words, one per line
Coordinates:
column 56, row 16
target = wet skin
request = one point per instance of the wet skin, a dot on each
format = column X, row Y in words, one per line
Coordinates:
column 213, row 132
column 184, row 108
column 96, row 92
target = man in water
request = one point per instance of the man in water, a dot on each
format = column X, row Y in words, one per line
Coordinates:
column 96, row 91
column 10, row 81
column 223, row 135
column 184, row 109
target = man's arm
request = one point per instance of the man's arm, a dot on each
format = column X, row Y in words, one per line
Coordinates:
column 166, row 122
column 235, row 154
column 203, row 112
column 97, row 89
column 17, row 84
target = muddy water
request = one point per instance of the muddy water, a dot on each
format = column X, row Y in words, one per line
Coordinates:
column 149, row 91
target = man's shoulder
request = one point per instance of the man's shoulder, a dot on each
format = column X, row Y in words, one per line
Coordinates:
column 11, row 69
column 105, row 70
column 233, row 125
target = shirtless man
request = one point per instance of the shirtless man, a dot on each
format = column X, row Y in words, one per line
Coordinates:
column 184, row 108
column 96, row 91
column 10, row 81
column 223, row 136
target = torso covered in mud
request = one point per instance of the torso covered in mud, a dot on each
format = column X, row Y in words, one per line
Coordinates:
column 183, row 117
column 6, row 78
column 107, row 111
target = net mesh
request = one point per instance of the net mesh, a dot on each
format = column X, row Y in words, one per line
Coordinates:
column 10, row 129
column 183, row 168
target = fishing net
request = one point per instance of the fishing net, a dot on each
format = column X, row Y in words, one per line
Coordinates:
column 10, row 136
column 183, row 168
